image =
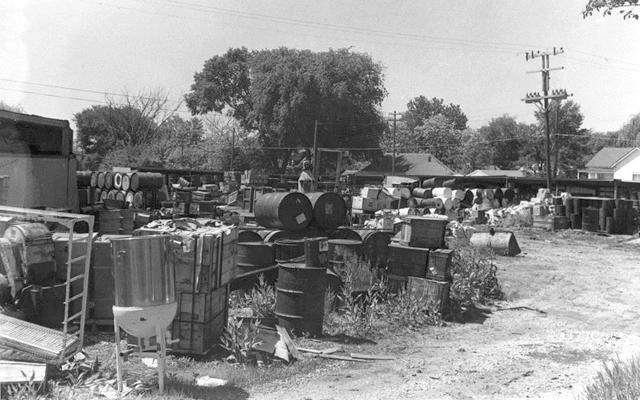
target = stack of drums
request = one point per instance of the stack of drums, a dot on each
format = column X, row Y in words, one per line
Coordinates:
column 300, row 291
column 590, row 219
column 254, row 255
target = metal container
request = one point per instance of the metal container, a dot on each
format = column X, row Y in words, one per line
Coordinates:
column 143, row 271
column 146, row 180
column 100, row 179
column 345, row 233
column 249, row 236
column 300, row 293
column 108, row 180
column 289, row 211
column 345, row 259
column 375, row 246
column 254, row 255
column 329, row 209
column 34, row 251
column 289, row 249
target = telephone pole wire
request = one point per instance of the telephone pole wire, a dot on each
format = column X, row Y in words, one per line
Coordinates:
column 542, row 101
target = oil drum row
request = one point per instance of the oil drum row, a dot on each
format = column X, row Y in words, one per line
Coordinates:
column 295, row 211
column 613, row 216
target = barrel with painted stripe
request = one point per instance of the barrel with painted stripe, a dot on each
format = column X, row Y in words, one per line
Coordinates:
column 300, row 294
column 329, row 209
column 288, row 211
column 117, row 180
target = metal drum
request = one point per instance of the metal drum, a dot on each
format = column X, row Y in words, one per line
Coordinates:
column 117, row 180
column 249, row 236
column 300, row 293
column 345, row 233
column 108, row 180
column 144, row 278
column 100, row 179
column 254, row 255
column 345, row 259
column 146, row 180
column 289, row 211
column 288, row 249
column 143, row 271
column 376, row 246
column 329, row 209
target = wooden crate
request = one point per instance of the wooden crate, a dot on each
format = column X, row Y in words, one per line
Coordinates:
column 201, row 307
column 198, row 338
column 435, row 293
column 407, row 261
column 424, row 232
column 439, row 265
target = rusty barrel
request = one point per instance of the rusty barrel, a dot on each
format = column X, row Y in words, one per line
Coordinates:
column 300, row 293
column 254, row 255
column 281, row 210
column 329, row 209
column 375, row 246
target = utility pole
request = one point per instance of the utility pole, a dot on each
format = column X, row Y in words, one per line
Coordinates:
column 233, row 148
column 393, row 157
column 542, row 101
column 315, row 154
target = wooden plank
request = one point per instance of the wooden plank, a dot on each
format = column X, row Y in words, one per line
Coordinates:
column 22, row 372
column 341, row 358
column 371, row 356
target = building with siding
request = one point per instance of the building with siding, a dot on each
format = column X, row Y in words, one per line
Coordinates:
column 621, row 163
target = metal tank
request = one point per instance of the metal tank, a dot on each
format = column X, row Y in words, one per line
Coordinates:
column 144, row 278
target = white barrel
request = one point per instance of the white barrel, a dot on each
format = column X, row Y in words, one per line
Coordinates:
column 443, row 192
column 488, row 194
column 447, row 204
column 405, row 193
column 458, row 194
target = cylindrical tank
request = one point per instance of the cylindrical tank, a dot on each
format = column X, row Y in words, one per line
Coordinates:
column 248, row 236
column 147, row 180
column 450, row 183
column 425, row 193
column 345, row 233
column 300, row 294
column 289, row 211
column 432, row 182
column 329, row 209
column 117, row 180
column 435, row 202
column 443, row 192
column 100, row 179
column 108, row 180
column 144, row 284
column 83, row 178
column 288, row 249
column 254, row 255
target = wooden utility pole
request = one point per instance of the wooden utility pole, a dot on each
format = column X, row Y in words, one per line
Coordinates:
column 393, row 157
column 233, row 148
column 316, row 158
column 542, row 101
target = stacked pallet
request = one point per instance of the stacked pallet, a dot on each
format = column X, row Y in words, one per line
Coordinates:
column 419, row 261
column 130, row 188
column 205, row 261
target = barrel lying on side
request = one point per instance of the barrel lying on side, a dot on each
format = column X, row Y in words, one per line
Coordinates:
column 329, row 209
column 289, row 211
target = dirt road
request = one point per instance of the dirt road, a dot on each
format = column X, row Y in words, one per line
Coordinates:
column 573, row 301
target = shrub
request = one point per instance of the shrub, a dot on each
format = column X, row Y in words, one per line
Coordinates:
column 475, row 278
column 619, row 381
column 239, row 338
column 260, row 299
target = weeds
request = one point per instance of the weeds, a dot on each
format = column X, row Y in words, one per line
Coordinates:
column 475, row 279
column 261, row 299
column 239, row 338
column 619, row 381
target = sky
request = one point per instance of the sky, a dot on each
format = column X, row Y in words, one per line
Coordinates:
column 59, row 57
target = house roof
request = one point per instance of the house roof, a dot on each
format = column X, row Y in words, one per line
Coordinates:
column 497, row 172
column 407, row 164
column 608, row 157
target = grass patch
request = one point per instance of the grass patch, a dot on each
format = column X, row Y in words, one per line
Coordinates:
column 618, row 380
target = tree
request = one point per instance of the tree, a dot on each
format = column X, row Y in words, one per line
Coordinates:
column 8, row 107
column 421, row 109
column 499, row 143
column 569, row 140
column 624, row 7
column 281, row 93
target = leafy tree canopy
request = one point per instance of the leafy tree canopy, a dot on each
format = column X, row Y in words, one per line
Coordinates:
column 608, row 7
column 280, row 93
column 421, row 109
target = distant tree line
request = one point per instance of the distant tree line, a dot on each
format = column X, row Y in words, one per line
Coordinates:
column 256, row 109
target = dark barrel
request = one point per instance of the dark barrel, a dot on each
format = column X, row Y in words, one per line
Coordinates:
column 345, row 233
column 329, row 209
column 591, row 219
column 451, row 183
column 375, row 246
column 467, row 201
column 138, row 200
column 288, row 249
column 289, row 211
column 121, row 195
column 422, row 193
column 508, row 193
column 249, row 236
column 146, row 180
column 345, row 259
column 83, row 178
column 254, row 255
column 300, row 293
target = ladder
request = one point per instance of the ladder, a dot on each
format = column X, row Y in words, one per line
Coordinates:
column 68, row 338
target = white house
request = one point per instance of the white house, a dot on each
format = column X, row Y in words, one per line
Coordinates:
column 621, row 163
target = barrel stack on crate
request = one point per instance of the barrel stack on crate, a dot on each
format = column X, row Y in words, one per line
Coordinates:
column 419, row 262
column 205, row 264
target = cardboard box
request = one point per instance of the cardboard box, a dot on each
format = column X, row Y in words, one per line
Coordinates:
column 370, row 192
column 365, row 204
